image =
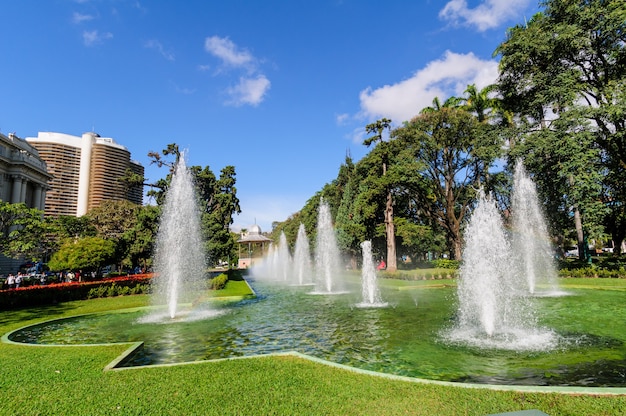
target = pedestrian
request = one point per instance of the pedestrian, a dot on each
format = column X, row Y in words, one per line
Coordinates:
column 11, row 281
column 18, row 280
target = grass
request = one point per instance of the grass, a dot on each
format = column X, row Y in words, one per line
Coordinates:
column 70, row 380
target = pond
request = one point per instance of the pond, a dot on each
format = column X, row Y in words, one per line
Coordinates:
column 406, row 338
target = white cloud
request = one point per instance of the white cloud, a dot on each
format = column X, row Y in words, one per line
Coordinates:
column 253, row 86
column 156, row 45
column 249, row 91
column 80, row 18
column 94, row 37
column 227, row 51
column 441, row 78
column 487, row 15
column 342, row 118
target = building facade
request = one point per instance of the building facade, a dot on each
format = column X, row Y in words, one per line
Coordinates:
column 253, row 247
column 23, row 173
column 86, row 172
column 23, row 179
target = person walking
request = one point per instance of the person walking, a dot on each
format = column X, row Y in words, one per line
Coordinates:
column 11, row 281
column 18, row 280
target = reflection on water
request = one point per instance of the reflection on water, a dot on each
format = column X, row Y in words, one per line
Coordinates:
column 404, row 338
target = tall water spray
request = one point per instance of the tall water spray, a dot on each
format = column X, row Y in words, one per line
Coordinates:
column 179, row 256
column 495, row 309
column 302, row 258
column 370, row 289
column 327, row 259
column 530, row 238
column 282, row 262
column 485, row 282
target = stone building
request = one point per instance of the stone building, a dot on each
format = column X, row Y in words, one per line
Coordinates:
column 23, row 179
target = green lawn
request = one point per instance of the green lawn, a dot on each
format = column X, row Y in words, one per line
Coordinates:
column 38, row 380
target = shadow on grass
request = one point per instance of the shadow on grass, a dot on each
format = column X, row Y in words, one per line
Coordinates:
column 21, row 315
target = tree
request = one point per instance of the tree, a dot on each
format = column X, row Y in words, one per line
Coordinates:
column 454, row 152
column 22, row 231
column 221, row 203
column 87, row 253
column 569, row 62
column 377, row 129
column 217, row 197
column 140, row 239
column 348, row 222
column 112, row 220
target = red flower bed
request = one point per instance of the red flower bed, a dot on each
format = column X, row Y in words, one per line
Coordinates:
column 63, row 292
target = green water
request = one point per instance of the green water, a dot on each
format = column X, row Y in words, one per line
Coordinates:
column 404, row 338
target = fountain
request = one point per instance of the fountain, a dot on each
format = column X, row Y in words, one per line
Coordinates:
column 282, row 259
column 370, row 290
column 276, row 264
column 496, row 340
column 302, row 258
column 404, row 340
column 530, row 239
column 495, row 309
column 179, row 257
column 327, row 259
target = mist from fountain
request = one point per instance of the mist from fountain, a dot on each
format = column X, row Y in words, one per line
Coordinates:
column 327, row 258
column 530, row 239
column 369, row 281
column 179, row 256
column 302, row 258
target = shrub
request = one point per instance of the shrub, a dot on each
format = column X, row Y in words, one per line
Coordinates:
column 218, row 282
column 593, row 272
column 445, row 264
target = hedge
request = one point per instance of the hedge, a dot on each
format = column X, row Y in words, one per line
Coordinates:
column 63, row 292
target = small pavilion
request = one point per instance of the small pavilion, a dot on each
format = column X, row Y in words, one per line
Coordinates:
column 252, row 246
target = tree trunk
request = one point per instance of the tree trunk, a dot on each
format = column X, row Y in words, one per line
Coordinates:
column 457, row 248
column 580, row 235
column 391, row 235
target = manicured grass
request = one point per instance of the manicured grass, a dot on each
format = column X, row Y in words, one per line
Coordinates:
column 233, row 288
column 70, row 380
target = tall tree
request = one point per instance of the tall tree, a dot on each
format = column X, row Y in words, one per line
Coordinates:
column 112, row 220
column 377, row 129
column 217, row 197
column 569, row 61
column 454, row 152
column 220, row 197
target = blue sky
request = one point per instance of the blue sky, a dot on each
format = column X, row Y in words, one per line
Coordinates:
column 282, row 90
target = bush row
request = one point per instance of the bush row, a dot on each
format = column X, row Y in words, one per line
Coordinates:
column 64, row 292
column 593, row 272
column 412, row 275
column 106, row 291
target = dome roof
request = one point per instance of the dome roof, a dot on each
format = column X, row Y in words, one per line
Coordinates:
column 255, row 229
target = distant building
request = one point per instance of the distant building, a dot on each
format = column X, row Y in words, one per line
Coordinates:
column 23, row 174
column 23, row 178
column 86, row 171
column 253, row 246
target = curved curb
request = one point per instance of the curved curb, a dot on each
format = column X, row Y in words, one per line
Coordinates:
column 612, row 391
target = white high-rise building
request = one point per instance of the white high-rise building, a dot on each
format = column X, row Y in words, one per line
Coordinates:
column 86, row 171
